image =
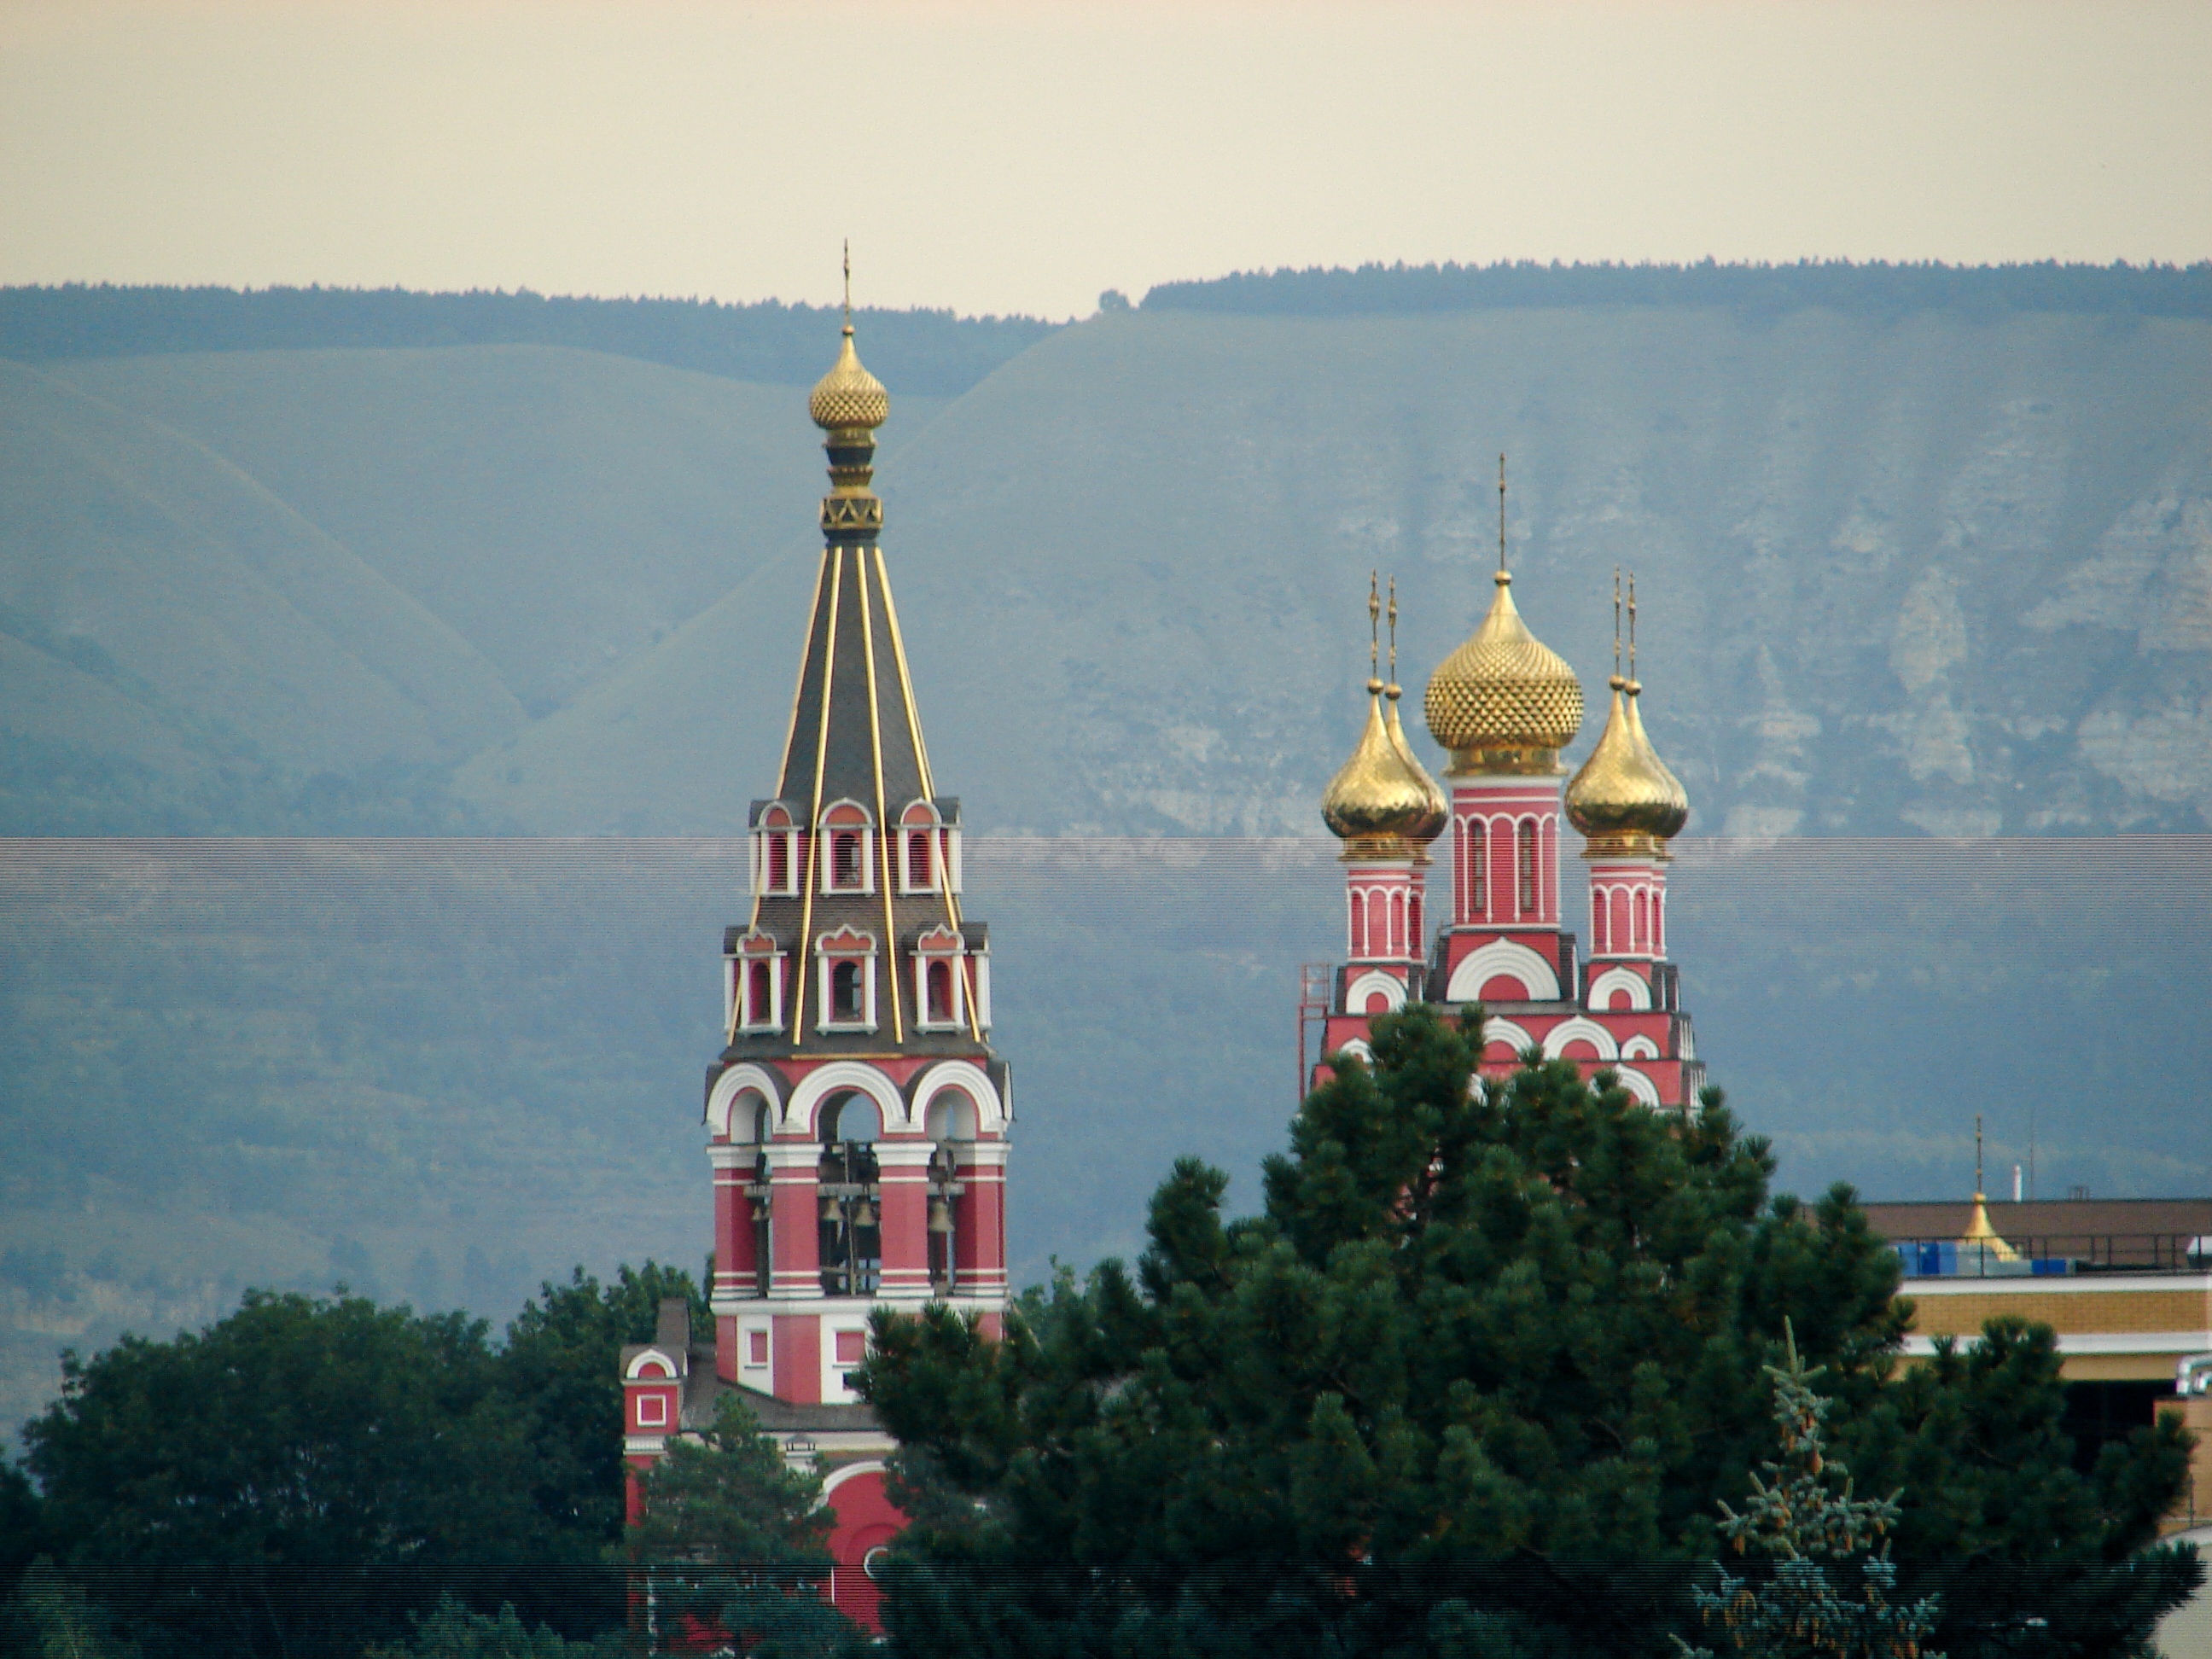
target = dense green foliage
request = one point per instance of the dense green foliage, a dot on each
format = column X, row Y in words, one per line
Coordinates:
column 304, row 1430
column 453, row 1629
column 1873, row 289
column 559, row 1366
column 1518, row 1331
column 1801, row 1518
column 329, row 1465
column 732, row 1539
column 922, row 351
column 296, row 1431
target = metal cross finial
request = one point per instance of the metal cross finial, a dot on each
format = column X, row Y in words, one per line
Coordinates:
column 1394, row 631
column 849, row 283
column 1632, row 628
column 1501, row 514
column 1616, row 622
column 1374, row 612
column 1978, row 1154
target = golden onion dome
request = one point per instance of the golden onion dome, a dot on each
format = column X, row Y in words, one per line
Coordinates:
column 849, row 399
column 1624, row 795
column 1378, row 801
column 1432, row 823
column 1504, row 701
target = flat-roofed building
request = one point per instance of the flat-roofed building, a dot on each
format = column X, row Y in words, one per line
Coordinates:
column 2125, row 1283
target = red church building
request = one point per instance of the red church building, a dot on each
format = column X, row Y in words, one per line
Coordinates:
column 1503, row 705
column 857, row 1115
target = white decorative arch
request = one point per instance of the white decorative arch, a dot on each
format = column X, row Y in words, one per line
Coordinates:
column 1358, row 1046
column 1619, row 979
column 1588, row 1030
column 836, row 1078
column 652, row 1365
column 1495, row 1029
column 838, row 1477
column 1355, row 994
column 1639, row 1047
column 732, row 1084
column 971, row 1081
column 1636, row 1084
column 1502, row 958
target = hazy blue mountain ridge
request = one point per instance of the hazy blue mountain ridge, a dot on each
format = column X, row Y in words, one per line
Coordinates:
column 1925, row 576
column 933, row 353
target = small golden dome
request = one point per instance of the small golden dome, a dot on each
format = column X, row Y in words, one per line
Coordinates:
column 1381, row 800
column 849, row 399
column 1624, row 792
column 1439, row 813
column 1503, row 701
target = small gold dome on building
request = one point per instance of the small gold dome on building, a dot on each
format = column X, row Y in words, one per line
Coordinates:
column 1381, row 800
column 849, row 399
column 1439, row 813
column 1504, row 701
column 1624, row 792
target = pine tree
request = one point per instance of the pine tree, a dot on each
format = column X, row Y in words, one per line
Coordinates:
column 732, row 1541
column 1474, row 1381
column 1798, row 1518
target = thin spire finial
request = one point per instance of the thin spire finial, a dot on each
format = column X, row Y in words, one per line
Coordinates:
column 1978, row 1157
column 849, row 285
column 1632, row 631
column 1374, row 633
column 1501, row 514
column 1616, row 622
column 1394, row 632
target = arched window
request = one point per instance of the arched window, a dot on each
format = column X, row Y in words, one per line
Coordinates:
column 1643, row 920
column 778, row 863
column 1478, row 901
column 760, row 1004
column 1359, row 925
column 940, row 990
column 952, row 1117
column 1413, row 926
column 1397, row 946
column 845, row 990
column 845, row 858
column 918, row 859
column 1619, row 932
column 853, row 1118
column 1525, row 862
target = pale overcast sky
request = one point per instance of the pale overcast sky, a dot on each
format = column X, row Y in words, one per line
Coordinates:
column 1023, row 157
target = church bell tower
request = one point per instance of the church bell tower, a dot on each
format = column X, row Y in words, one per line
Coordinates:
column 857, row 1115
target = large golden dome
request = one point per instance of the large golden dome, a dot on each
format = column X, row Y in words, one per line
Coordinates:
column 1381, row 800
column 849, row 399
column 1504, row 701
column 1624, row 795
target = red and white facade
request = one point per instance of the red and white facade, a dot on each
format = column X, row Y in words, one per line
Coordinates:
column 857, row 1116
column 1509, row 946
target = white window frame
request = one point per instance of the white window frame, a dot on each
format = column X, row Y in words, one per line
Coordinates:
column 923, row 959
column 826, row 857
column 761, row 866
column 927, row 833
column 826, row 958
column 739, row 990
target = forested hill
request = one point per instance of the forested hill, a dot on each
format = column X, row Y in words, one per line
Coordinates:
column 932, row 353
column 1872, row 290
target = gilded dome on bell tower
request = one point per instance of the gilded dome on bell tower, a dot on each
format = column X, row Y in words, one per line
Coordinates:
column 1504, row 701
column 1624, row 796
column 1381, row 800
